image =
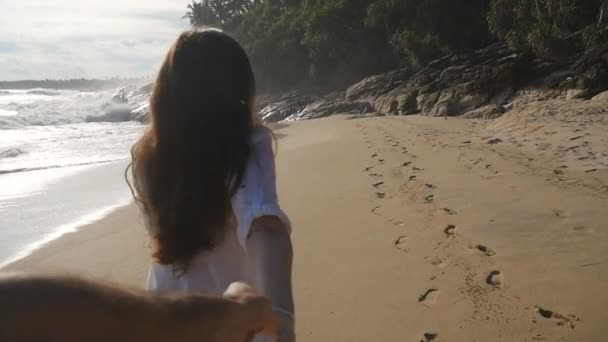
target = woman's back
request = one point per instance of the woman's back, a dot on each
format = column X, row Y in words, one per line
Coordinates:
column 212, row 271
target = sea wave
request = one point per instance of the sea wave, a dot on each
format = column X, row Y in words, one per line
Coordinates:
column 41, row 91
column 65, row 107
column 11, row 152
column 47, row 167
column 115, row 113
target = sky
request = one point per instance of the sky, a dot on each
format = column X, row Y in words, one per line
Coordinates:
column 61, row 39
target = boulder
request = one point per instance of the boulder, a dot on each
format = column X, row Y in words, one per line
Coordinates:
column 320, row 109
column 491, row 111
column 374, row 86
column 603, row 96
column 446, row 107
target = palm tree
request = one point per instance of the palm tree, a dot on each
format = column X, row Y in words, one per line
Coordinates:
column 202, row 14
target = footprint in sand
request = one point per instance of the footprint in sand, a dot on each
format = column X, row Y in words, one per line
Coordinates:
column 450, row 230
column 396, row 223
column 374, row 155
column 435, row 261
column 561, row 320
column 413, row 177
column 369, row 168
column 430, row 186
column 448, row 211
column 495, row 279
column 429, row 337
column 407, row 163
column 429, row 198
column 485, row 250
column 375, row 211
column 401, row 243
column 375, row 185
column 560, row 213
column 380, row 194
column 429, row 297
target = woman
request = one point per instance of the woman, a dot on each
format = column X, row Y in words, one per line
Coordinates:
column 205, row 180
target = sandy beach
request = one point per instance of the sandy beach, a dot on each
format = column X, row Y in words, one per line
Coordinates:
column 423, row 229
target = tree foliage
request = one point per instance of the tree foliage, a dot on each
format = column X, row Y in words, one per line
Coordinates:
column 553, row 28
column 335, row 42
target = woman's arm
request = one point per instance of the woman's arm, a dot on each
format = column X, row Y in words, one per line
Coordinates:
column 271, row 253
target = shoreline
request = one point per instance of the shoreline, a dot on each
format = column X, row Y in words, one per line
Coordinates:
column 96, row 250
column 83, row 222
column 41, row 206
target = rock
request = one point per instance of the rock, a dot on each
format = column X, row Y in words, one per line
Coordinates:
column 491, row 111
column 603, row 96
column 398, row 103
column 323, row 108
column 278, row 108
column 278, row 111
column 141, row 113
column 447, row 107
column 377, row 85
column 461, row 83
column 587, row 72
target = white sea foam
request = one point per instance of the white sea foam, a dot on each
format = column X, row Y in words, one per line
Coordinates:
column 42, row 107
column 55, row 172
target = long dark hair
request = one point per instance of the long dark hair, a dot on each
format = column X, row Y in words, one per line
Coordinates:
column 191, row 159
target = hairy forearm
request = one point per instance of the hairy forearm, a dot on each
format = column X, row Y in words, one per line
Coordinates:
column 69, row 309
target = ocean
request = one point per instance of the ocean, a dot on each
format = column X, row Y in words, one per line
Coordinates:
column 62, row 160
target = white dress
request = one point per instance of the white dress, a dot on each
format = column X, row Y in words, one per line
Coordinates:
column 212, row 272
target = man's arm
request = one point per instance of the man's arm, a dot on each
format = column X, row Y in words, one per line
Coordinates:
column 48, row 308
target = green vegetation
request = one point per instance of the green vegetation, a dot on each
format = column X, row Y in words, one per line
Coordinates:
column 553, row 28
column 336, row 42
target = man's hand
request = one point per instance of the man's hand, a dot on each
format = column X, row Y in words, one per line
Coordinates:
column 252, row 315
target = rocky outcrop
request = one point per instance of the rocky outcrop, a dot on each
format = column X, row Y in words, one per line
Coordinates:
column 374, row 86
column 480, row 84
column 283, row 106
column 326, row 107
column 457, row 84
column 141, row 113
column 296, row 106
column 491, row 111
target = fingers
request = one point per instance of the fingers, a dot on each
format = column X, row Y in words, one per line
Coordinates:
column 239, row 290
column 255, row 310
